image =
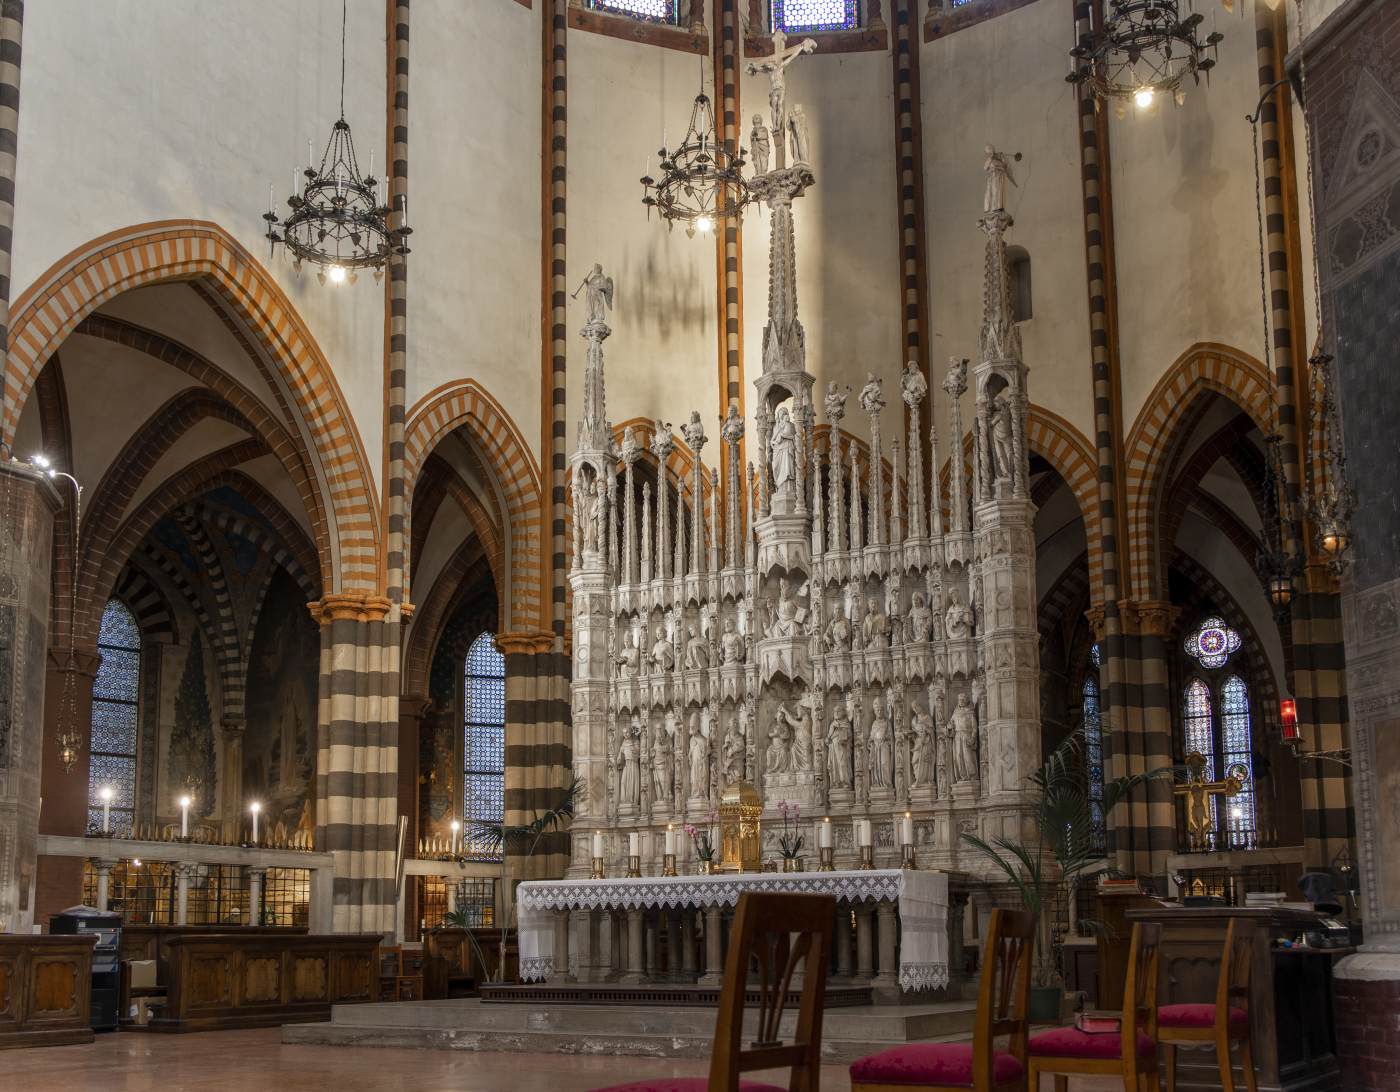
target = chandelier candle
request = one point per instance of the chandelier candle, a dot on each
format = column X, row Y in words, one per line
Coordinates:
column 184, row 817
column 255, row 808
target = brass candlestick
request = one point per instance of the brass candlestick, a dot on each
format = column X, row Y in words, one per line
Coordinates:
column 910, row 859
column 826, row 859
column 668, row 864
column 867, row 859
column 634, row 867
column 597, row 873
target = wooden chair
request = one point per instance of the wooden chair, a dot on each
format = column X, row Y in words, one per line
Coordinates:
column 1223, row 1023
column 1132, row 1053
column 1001, row 1010
column 779, row 933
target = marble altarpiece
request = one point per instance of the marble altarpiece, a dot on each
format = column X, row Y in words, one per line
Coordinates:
column 830, row 623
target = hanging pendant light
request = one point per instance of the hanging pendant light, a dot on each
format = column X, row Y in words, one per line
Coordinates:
column 1143, row 49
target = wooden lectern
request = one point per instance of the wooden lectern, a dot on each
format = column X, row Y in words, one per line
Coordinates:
column 1115, row 901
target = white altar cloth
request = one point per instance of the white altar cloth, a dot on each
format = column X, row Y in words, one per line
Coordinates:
column 920, row 898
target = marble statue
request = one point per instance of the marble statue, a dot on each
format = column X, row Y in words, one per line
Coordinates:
column 629, row 657
column 803, row 746
column 919, row 624
column 882, row 746
column 913, row 388
column 998, row 175
column 958, row 619
column 731, row 644
column 801, row 139
column 1003, row 445
column 792, row 736
column 663, row 764
column 734, row 747
column 874, row 628
column 835, row 401
column 698, row 752
column 778, row 757
column 838, row 633
column 782, row 452
column 663, row 652
column 872, row 395
column 774, row 68
column 629, row 790
column 759, row 145
column 838, row 748
column 598, row 289
column 922, row 766
column 964, row 726
column 697, row 650
column 787, row 617
column 590, row 499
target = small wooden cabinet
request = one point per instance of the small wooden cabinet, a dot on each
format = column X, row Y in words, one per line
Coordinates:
column 45, row 990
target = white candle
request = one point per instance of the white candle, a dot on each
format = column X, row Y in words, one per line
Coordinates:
column 906, row 830
column 310, row 161
column 256, row 809
column 184, row 817
column 456, row 826
column 670, row 841
column 597, row 843
column 106, row 810
column 824, row 835
column 634, row 844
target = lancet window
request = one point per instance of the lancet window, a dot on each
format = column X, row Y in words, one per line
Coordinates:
column 483, row 744
column 793, row 16
column 114, row 719
column 650, row 11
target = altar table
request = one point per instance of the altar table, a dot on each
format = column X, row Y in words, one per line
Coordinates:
column 911, row 906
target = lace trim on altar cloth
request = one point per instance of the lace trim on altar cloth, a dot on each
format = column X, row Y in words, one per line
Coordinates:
column 923, row 976
column 539, row 968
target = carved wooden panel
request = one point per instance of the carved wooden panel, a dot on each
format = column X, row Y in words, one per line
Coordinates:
column 309, row 978
column 262, row 978
column 55, row 988
column 354, row 974
column 8, row 989
column 210, row 980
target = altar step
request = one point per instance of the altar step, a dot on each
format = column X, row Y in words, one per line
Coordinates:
column 652, row 1031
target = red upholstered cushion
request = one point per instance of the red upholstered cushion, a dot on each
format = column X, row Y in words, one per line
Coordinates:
column 1195, row 1016
column 931, row 1063
column 1070, row 1042
column 687, row 1084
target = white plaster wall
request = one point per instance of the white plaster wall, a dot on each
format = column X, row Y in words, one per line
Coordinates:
column 204, row 437
column 268, row 472
column 474, row 180
column 142, row 110
column 847, row 229
column 1002, row 82
column 663, row 356
column 449, row 530
column 1184, row 217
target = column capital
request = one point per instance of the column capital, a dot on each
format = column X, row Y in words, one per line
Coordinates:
column 1095, row 617
column 356, row 607
column 1148, row 617
column 525, row 641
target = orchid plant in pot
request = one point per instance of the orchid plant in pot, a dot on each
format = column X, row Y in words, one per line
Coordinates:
column 702, row 838
column 790, row 841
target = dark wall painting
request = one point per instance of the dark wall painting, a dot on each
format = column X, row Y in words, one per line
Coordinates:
column 279, row 748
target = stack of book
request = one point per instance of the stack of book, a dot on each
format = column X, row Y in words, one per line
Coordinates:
column 1098, row 1022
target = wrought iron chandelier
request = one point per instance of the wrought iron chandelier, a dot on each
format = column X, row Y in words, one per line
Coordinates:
column 702, row 183
column 338, row 220
column 1331, row 500
column 1141, row 49
column 1278, row 565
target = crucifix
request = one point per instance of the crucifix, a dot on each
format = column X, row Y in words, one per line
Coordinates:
column 775, row 68
column 1200, row 820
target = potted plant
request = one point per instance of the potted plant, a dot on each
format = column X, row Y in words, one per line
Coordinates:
column 703, row 841
column 790, row 841
column 1062, row 856
column 517, row 842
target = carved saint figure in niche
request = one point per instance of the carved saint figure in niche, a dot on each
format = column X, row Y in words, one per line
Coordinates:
column 795, row 733
column 838, row 633
column 733, row 750
column 697, row 650
column 731, row 644
column 838, row 748
column 964, row 726
column 598, row 289
column 998, row 175
column 782, row 452
column 959, row 617
column 759, row 145
column 629, row 789
column 874, row 629
column 663, row 653
column 925, row 744
column 778, row 757
column 629, row 656
column 920, row 620
column 882, row 747
column 1003, row 458
column 663, row 764
column 801, row 138
column 699, row 756
column 787, row 617
column 589, row 499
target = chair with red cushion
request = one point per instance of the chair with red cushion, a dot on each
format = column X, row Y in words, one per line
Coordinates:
column 1001, row 1010
column 1132, row 1052
column 773, row 937
column 1223, row 1023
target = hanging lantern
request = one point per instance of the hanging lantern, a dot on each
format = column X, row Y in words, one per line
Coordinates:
column 739, row 812
column 1288, row 721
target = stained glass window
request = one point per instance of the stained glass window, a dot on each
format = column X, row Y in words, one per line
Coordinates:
column 484, row 744
column 114, row 708
column 1199, row 725
column 802, row 15
column 1096, row 656
column 1093, row 757
column 1212, row 643
column 651, row 11
column 1237, row 747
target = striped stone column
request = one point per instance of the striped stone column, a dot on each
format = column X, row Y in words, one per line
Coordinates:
column 357, row 735
column 11, row 33
column 555, row 305
column 396, row 305
column 729, row 252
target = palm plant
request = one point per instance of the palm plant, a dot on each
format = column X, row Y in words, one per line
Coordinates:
column 517, row 841
column 1063, row 854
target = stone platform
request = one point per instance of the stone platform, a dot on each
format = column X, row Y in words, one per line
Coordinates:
column 652, row 1031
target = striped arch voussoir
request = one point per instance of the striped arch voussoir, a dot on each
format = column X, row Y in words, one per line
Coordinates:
column 196, row 250
column 1156, row 433
column 1068, row 450
column 466, row 404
